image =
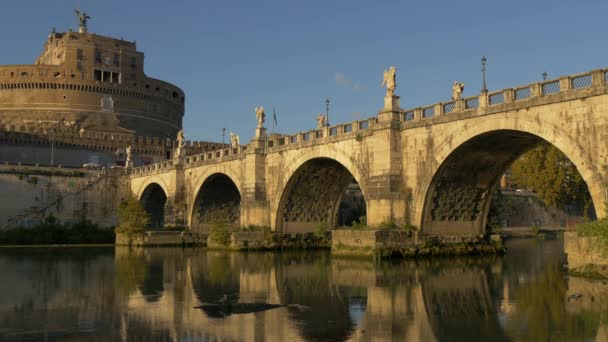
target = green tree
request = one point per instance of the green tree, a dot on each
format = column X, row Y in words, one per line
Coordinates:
column 550, row 174
column 132, row 218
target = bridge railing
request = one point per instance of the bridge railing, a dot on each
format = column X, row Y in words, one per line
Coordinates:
column 510, row 95
column 217, row 154
column 153, row 168
column 322, row 135
column 523, row 93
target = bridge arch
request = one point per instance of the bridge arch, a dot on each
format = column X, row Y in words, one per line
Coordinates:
column 326, row 177
column 216, row 198
column 154, row 199
column 469, row 163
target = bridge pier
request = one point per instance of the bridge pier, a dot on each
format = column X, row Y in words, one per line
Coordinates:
column 255, row 208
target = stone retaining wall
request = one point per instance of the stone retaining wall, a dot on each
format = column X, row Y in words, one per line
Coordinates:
column 161, row 238
column 583, row 251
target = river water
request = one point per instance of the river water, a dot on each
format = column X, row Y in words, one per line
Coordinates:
column 114, row 294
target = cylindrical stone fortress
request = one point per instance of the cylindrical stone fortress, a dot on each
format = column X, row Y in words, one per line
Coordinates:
column 88, row 82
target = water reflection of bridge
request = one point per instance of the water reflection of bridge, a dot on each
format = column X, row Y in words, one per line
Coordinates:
column 402, row 302
column 151, row 294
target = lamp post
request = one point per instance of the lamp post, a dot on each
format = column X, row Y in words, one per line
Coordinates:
column 327, row 110
column 544, row 76
column 52, row 146
column 483, row 71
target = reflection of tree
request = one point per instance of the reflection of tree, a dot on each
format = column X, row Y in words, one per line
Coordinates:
column 541, row 312
column 130, row 270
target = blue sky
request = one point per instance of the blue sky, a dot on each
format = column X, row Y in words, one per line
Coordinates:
column 231, row 56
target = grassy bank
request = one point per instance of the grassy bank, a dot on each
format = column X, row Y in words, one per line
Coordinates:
column 52, row 232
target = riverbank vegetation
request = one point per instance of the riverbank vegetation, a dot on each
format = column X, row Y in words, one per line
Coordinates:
column 552, row 176
column 51, row 231
column 132, row 217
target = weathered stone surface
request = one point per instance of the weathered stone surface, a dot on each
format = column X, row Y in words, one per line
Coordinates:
column 161, row 238
column 432, row 167
column 584, row 251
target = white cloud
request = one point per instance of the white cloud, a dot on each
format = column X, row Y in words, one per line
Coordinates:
column 342, row 80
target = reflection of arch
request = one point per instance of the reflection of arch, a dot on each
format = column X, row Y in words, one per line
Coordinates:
column 459, row 304
column 217, row 200
column 455, row 147
column 154, row 199
column 296, row 164
column 152, row 287
column 213, row 275
column 300, row 281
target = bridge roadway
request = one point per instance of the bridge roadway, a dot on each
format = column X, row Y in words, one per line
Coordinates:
column 434, row 166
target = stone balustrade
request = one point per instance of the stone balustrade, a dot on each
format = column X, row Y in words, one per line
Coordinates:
column 412, row 116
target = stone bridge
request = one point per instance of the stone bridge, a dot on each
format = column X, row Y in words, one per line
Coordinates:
column 434, row 167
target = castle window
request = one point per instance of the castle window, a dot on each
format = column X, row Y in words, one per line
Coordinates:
column 79, row 54
column 97, row 56
column 24, row 74
column 97, row 75
column 116, row 59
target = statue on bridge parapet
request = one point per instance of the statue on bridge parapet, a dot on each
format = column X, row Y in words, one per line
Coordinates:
column 129, row 160
column 391, row 101
column 260, row 116
column 321, row 121
column 235, row 140
column 390, row 80
column 180, row 151
column 180, row 139
column 457, row 89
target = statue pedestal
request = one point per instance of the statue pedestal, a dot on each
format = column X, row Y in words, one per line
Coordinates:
column 129, row 164
column 260, row 132
column 392, row 109
column 259, row 140
column 391, row 102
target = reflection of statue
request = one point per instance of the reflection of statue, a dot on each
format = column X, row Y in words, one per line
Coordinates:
column 321, row 121
column 457, row 89
column 235, row 141
column 390, row 80
column 180, row 139
column 260, row 116
column 82, row 19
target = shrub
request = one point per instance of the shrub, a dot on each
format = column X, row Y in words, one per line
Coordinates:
column 535, row 230
column 361, row 223
column 52, row 231
column 219, row 233
column 175, row 228
column 321, row 229
column 132, row 217
column 598, row 229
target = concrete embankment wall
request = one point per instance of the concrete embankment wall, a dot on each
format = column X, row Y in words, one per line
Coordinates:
column 31, row 193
